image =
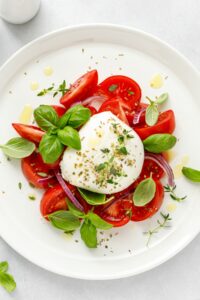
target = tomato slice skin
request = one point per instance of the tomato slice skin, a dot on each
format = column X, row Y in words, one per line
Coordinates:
column 60, row 110
column 80, row 89
column 125, row 88
column 147, row 211
column 93, row 110
column 29, row 132
column 166, row 124
column 32, row 166
column 150, row 168
column 52, row 166
column 52, row 200
column 116, row 212
column 114, row 106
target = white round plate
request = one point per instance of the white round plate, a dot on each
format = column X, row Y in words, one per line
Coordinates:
column 70, row 52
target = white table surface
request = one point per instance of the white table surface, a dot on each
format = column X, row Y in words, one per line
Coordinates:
column 176, row 22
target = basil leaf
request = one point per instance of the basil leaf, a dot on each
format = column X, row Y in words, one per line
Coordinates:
column 75, row 116
column 50, row 148
column 151, row 115
column 7, row 281
column 192, row 174
column 162, row 98
column 70, row 137
column 89, row 234
column 18, row 148
column 144, row 192
column 92, row 198
column 3, row 266
column 46, row 117
column 75, row 211
column 98, row 222
column 159, row 142
column 64, row 220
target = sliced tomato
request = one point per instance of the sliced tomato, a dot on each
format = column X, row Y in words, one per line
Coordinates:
column 147, row 211
column 117, row 212
column 52, row 200
column 93, row 110
column 165, row 124
column 114, row 105
column 130, row 115
column 34, row 170
column 125, row 88
column 81, row 89
column 150, row 168
column 61, row 110
column 31, row 133
column 52, row 166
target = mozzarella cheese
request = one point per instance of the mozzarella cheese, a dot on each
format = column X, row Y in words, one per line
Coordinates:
column 110, row 159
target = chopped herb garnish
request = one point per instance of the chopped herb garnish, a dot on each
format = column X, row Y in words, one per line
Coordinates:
column 105, row 150
column 100, row 167
column 32, row 197
column 42, row 174
column 122, row 150
column 171, row 190
column 113, row 87
column 130, row 92
column 60, row 89
column 121, row 139
column 20, row 185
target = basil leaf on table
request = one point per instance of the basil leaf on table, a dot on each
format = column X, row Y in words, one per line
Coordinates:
column 7, row 281
column 3, row 266
column 69, row 136
column 192, row 174
column 151, row 115
column 46, row 117
column 98, row 222
column 64, row 220
column 89, row 234
column 92, row 198
column 50, row 148
column 144, row 192
column 74, row 210
column 75, row 116
column 162, row 98
column 18, row 148
column 159, row 142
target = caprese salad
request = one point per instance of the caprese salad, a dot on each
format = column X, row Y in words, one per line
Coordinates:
column 99, row 156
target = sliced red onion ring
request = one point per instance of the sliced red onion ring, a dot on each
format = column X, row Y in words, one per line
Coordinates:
column 67, row 191
column 159, row 159
column 44, row 179
column 92, row 99
column 137, row 115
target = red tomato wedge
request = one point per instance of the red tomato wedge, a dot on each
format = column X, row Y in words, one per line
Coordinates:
column 29, row 132
column 130, row 115
column 150, row 168
column 34, row 170
column 52, row 200
column 115, row 106
column 93, row 110
column 165, row 124
column 81, row 89
column 61, row 110
column 117, row 212
column 147, row 211
column 52, row 166
column 125, row 88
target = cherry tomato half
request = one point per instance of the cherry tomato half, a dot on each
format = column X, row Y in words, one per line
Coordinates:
column 147, row 211
column 130, row 115
column 31, row 133
column 80, row 89
column 61, row 110
column 125, row 88
column 165, row 124
column 34, row 170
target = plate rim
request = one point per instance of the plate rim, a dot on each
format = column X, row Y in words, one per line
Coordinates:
column 86, row 26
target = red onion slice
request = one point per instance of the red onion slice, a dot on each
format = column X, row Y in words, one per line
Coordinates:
column 43, row 180
column 137, row 115
column 159, row 159
column 67, row 191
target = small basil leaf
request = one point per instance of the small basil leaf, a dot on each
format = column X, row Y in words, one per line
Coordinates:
column 162, row 98
column 144, row 192
column 18, row 148
column 160, row 142
column 3, row 266
column 98, row 222
column 151, row 115
column 50, row 148
column 64, row 220
column 7, row 281
column 75, row 116
column 92, row 198
column 89, row 234
column 75, row 211
column 46, row 117
column 70, row 137
column 192, row 174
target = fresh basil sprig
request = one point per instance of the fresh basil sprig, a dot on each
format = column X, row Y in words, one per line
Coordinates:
column 50, row 148
column 64, row 220
column 75, row 116
column 92, row 198
column 6, row 280
column 46, row 117
column 18, row 148
column 89, row 234
column 144, row 192
column 152, row 112
column 159, row 142
column 69, row 136
column 191, row 174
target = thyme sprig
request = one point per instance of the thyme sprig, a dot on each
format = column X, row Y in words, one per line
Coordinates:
column 171, row 190
column 60, row 89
